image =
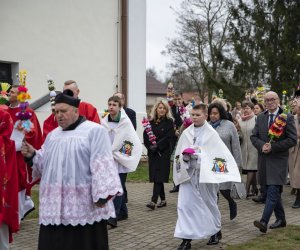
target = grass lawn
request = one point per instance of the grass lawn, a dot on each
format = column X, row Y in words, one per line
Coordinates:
column 35, row 198
column 284, row 238
column 142, row 174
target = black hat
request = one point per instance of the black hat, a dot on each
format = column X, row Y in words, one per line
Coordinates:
column 67, row 97
column 297, row 93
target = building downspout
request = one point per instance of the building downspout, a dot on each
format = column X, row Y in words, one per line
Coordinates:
column 124, row 48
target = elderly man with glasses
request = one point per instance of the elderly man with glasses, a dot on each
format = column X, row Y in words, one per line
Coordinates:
column 272, row 160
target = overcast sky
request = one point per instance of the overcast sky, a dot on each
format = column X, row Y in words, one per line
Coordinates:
column 161, row 25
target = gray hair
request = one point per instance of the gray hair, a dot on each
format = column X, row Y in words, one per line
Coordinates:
column 71, row 82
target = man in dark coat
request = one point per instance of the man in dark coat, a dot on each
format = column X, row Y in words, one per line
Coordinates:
column 272, row 160
column 175, row 109
column 129, row 112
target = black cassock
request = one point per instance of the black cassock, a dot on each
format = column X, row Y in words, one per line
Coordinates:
column 87, row 237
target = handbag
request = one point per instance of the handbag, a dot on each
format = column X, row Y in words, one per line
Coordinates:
column 238, row 191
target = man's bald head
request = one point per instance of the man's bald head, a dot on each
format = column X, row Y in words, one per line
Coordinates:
column 271, row 94
column 121, row 96
column 272, row 101
column 73, row 86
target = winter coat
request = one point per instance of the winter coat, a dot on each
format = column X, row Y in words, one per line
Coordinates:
column 272, row 167
column 294, row 159
column 249, row 152
column 159, row 160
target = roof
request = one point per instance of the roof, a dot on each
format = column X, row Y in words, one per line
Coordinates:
column 155, row 87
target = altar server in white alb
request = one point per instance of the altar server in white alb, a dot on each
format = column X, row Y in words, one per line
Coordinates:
column 78, row 179
column 126, row 148
column 202, row 161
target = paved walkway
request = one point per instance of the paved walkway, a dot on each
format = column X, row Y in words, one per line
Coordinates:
column 155, row 229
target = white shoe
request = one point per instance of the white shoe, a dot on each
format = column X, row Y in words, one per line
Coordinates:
column 28, row 206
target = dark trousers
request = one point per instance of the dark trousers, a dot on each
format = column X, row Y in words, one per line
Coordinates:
column 120, row 201
column 273, row 203
column 263, row 191
column 158, row 190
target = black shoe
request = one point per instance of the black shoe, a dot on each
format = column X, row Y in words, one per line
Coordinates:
column 122, row 217
column 296, row 204
column 233, row 210
column 278, row 223
column 175, row 189
column 219, row 234
column 214, row 240
column 112, row 222
column 293, row 191
column 250, row 195
column 162, row 204
column 261, row 225
column 151, row 205
column 185, row 245
column 259, row 199
column 28, row 212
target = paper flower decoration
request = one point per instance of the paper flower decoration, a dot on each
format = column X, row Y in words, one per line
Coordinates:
column 52, row 93
column 276, row 130
column 220, row 94
column 105, row 113
column 189, row 151
column 258, row 94
column 23, row 123
column 148, row 129
column 170, row 94
column 3, row 95
column 185, row 116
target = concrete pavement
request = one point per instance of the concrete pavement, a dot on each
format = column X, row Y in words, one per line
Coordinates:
column 146, row 229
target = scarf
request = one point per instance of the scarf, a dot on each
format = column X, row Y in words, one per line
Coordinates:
column 117, row 118
column 215, row 124
column 247, row 117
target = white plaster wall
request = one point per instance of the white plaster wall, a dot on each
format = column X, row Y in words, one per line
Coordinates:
column 74, row 39
column 137, row 60
column 70, row 39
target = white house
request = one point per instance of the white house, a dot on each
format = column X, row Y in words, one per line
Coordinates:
column 99, row 43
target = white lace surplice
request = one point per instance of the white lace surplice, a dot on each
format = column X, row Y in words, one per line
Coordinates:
column 76, row 169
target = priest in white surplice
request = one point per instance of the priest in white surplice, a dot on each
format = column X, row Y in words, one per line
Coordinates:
column 202, row 161
column 78, row 180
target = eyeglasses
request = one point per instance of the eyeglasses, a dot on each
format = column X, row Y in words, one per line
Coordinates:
column 270, row 100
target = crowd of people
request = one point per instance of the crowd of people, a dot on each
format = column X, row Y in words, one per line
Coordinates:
column 245, row 131
column 81, row 168
column 81, row 165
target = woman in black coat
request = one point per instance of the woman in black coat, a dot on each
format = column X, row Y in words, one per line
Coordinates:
column 159, row 154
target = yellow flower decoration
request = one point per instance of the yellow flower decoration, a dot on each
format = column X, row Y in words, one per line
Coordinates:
column 22, row 97
column 260, row 88
column 22, row 77
column 5, row 86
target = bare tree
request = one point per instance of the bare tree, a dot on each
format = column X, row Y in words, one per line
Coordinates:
column 203, row 46
column 181, row 80
column 152, row 72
